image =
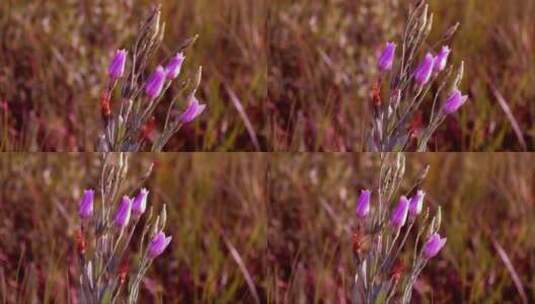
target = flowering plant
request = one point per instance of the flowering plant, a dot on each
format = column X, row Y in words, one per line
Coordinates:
column 381, row 234
column 133, row 124
column 108, row 274
column 397, row 118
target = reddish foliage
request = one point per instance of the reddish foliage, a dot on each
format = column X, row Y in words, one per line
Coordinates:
column 397, row 270
column 375, row 94
column 105, row 108
column 81, row 244
column 148, row 129
column 123, row 271
column 416, row 124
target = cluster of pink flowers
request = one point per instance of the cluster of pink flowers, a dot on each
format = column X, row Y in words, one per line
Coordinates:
column 155, row 83
column 406, row 207
column 128, row 207
column 430, row 66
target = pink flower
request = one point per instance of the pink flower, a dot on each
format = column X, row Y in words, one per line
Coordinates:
column 363, row 205
column 454, row 101
column 386, row 59
column 158, row 244
column 117, row 65
column 425, row 69
column 86, row 204
column 122, row 216
column 399, row 215
column 172, row 69
column 416, row 203
column 442, row 59
column 154, row 85
column 193, row 110
column 433, row 245
column 140, row 202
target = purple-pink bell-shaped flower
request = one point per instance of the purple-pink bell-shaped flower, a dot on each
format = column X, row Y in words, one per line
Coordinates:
column 193, row 110
column 172, row 69
column 363, row 204
column 154, row 85
column 454, row 101
column 441, row 60
column 158, row 244
column 140, row 202
column 386, row 59
column 122, row 216
column 117, row 65
column 86, row 204
column 425, row 69
column 399, row 215
column 416, row 203
column 433, row 245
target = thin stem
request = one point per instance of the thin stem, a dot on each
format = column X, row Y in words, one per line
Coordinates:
column 103, row 270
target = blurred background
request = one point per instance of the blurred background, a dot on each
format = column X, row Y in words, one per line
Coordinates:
column 54, row 57
column 323, row 56
column 488, row 210
column 216, row 215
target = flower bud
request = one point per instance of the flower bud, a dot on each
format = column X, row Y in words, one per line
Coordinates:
column 454, row 101
column 154, row 85
column 122, row 216
column 172, row 69
column 117, row 65
column 363, row 204
column 193, row 110
column 386, row 59
column 416, row 203
column 86, row 204
column 424, row 70
column 158, row 244
column 399, row 215
column 433, row 245
column 140, row 202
